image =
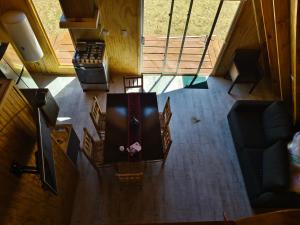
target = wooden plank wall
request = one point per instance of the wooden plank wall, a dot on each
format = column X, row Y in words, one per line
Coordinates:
column 244, row 35
column 295, row 56
column 49, row 63
column 282, row 31
column 115, row 15
column 266, row 7
column 12, row 58
column 123, row 52
column 276, row 26
column 261, row 36
column 23, row 201
column 264, row 25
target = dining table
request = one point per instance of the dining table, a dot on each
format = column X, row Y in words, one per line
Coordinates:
column 132, row 118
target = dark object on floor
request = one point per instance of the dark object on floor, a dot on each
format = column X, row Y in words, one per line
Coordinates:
column 42, row 98
column 261, row 131
column 195, row 119
column 199, row 83
column 245, row 68
column 91, row 66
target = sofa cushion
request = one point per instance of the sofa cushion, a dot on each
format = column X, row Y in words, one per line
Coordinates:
column 247, row 128
column 277, row 200
column 251, row 166
column 276, row 122
column 275, row 167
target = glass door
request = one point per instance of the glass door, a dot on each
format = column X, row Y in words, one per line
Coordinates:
column 184, row 37
column 155, row 34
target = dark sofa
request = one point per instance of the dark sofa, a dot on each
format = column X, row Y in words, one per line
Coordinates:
column 261, row 131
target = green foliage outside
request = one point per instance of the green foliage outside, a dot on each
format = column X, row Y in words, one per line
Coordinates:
column 50, row 13
column 156, row 17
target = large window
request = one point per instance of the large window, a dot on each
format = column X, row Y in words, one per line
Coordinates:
column 50, row 12
column 163, row 54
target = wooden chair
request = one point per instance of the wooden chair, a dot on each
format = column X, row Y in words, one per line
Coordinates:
column 92, row 149
column 165, row 116
column 167, row 142
column 130, row 172
column 133, row 84
column 98, row 118
column 245, row 68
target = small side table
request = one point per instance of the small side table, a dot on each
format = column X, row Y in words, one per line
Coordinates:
column 245, row 68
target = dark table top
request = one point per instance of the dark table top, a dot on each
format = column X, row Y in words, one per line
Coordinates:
column 116, row 131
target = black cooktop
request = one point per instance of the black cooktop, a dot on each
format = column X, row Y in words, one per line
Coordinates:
column 89, row 52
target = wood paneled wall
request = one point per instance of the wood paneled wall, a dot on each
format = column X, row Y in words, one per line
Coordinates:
column 282, row 30
column 276, row 21
column 263, row 24
column 115, row 15
column 244, row 35
column 49, row 63
column 123, row 52
column 23, row 200
column 295, row 56
column 266, row 7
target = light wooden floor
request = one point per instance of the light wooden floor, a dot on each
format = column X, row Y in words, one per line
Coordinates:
column 201, row 178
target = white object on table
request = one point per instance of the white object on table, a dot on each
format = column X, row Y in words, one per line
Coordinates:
column 135, row 147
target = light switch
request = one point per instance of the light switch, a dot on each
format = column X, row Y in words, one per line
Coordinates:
column 124, row 33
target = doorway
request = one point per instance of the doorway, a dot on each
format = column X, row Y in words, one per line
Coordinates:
column 184, row 37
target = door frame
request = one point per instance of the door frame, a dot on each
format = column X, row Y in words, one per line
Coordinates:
column 47, row 46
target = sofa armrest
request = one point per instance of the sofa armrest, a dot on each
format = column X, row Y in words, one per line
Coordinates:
column 277, row 200
column 252, row 105
column 235, row 130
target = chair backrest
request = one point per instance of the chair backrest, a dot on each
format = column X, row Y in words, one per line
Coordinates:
column 98, row 117
column 167, row 141
column 130, row 172
column 92, row 149
column 133, row 83
column 97, row 156
column 87, row 144
column 167, row 114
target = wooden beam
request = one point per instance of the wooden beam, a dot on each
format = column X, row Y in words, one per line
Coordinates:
column 80, row 23
column 270, row 33
column 295, row 57
column 264, row 61
column 282, row 36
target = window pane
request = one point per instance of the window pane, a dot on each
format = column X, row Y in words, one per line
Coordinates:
column 60, row 39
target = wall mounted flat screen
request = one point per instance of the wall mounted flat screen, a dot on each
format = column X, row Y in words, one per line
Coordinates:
column 44, row 155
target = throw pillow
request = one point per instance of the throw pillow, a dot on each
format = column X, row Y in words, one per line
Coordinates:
column 275, row 167
column 276, row 122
